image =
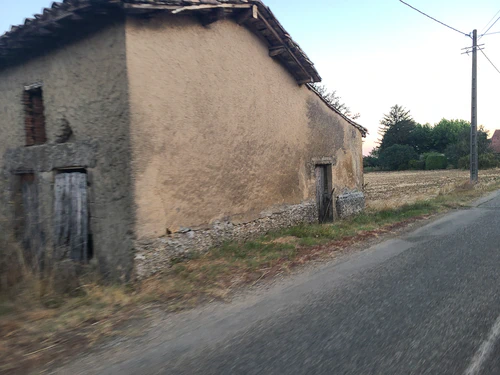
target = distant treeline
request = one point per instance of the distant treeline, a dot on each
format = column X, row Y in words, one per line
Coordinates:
column 405, row 144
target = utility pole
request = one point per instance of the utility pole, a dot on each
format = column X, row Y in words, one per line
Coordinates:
column 473, row 123
column 474, row 165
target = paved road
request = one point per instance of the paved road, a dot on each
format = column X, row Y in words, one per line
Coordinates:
column 425, row 303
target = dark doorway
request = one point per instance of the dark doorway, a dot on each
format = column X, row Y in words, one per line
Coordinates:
column 28, row 221
column 324, row 192
column 71, row 216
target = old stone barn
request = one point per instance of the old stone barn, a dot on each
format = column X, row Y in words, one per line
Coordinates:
column 134, row 131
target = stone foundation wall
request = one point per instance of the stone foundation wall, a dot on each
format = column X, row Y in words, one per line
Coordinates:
column 152, row 256
column 350, row 203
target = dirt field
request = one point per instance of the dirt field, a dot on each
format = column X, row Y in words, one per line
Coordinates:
column 391, row 189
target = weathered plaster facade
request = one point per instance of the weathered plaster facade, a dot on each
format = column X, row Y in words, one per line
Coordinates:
column 85, row 86
column 228, row 119
column 190, row 135
column 222, row 133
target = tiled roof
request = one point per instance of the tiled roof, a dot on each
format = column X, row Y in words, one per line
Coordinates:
column 62, row 18
column 54, row 23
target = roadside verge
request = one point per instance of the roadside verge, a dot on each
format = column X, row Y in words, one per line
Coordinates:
column 38, row 326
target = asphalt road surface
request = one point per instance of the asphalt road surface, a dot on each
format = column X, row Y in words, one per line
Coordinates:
column 425, row 303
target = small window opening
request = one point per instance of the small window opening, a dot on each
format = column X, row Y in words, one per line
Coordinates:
column 34, row 120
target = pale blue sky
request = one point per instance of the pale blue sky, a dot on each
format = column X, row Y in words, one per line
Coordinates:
column 379, row 53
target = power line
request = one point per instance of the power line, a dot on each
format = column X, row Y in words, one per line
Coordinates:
column 496, row 32
column 485, row 26
column 432, row 18
column 487, row 58
column 493, row 24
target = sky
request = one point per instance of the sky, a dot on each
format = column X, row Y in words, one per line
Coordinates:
column 376, row 54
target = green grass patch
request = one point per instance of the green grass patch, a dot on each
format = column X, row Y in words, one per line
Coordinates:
column 263, row 251
column 258, row 249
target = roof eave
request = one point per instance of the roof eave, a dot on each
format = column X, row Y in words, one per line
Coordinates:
column 52, row 22
column 362, row 129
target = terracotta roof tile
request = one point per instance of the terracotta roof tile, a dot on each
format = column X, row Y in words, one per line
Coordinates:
column 23, row 37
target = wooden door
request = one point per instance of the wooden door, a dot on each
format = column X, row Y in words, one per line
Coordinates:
column 71, row 222
column 324, row 198
column 32, row 234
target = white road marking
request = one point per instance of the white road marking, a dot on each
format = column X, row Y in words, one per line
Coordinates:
column 484, row 350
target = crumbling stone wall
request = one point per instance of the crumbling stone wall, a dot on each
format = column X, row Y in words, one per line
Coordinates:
column 350, row 203
column 155, row 255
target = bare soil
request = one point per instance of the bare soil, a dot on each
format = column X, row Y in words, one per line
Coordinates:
column 393, row 189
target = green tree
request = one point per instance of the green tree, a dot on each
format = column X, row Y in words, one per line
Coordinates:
column 375, row 152
column 396, row 114
column 447, row 132
column 485, row 161
column 397, row 157
column 399, row 133
column 483, row 143
column 435, row 161
column 370, row 162
column 421, row 138
column 460, row 147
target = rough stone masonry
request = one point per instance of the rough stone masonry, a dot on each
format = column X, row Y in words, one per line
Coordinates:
column 153, row 256
column 350, row 203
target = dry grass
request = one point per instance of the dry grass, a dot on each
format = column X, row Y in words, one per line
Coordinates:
column 39, row 319
column 39, row 324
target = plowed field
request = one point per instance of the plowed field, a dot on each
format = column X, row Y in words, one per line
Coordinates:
column 392, row 189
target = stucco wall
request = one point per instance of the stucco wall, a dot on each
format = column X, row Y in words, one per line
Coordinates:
column 85, row 85
column 219, row 130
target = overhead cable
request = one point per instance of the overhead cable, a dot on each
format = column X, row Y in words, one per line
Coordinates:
column 487, row 58
column 493, row 24
column 432, row 18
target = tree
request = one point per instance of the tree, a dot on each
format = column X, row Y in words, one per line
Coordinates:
column 486, row 161
column 370, row 162
column 447, row 132
column 460, row 147
column 421, row 138
column 397, row 157
column 483, row 143
column 435, row 161
column 375, row 152
column 335, row 101
column 396, row 114
column 399, row 133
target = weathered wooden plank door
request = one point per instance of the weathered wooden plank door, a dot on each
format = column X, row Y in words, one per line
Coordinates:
column 71, row 216
column 323, row 194
column 33, row 238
